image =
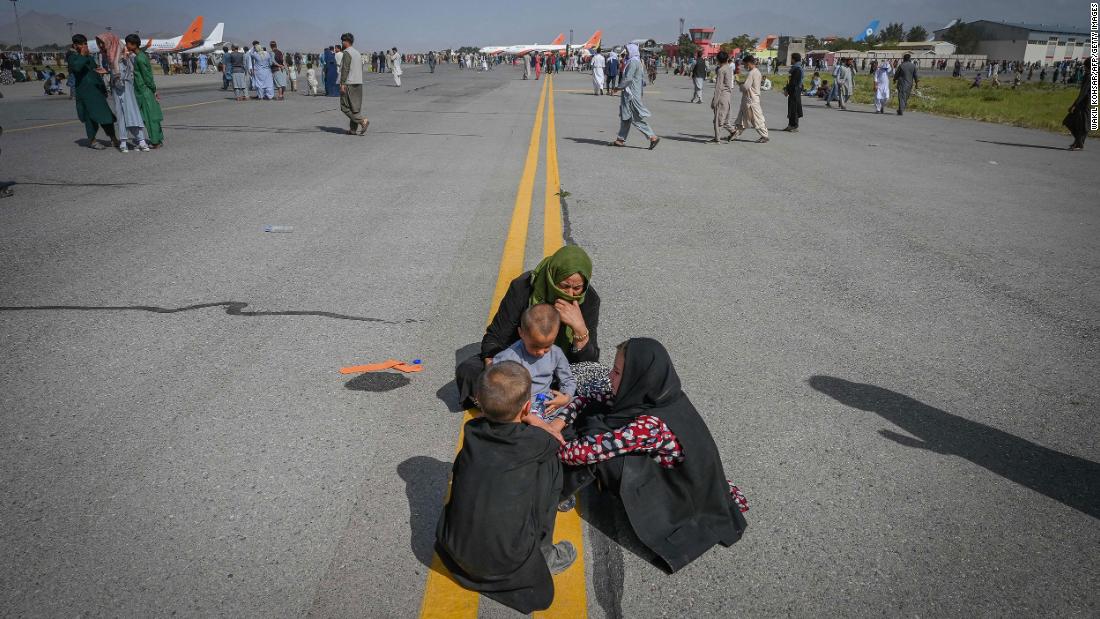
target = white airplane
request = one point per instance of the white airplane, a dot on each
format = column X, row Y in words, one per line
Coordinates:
column 190, row 39
column 211, row 43
column 592, row 43
column 512, row 49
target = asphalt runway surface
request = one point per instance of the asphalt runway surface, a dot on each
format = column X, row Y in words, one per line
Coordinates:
column 890, row 325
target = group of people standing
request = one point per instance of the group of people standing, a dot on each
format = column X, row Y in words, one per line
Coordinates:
column 129, row 84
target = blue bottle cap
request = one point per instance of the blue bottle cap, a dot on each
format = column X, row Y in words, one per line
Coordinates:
column 416, row 361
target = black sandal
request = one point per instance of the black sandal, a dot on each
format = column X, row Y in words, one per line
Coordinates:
column 618, row 143
column 653, row 143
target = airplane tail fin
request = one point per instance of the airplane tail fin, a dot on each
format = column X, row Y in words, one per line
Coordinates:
column 867, row 32
column 193, row 35
column 594, row 42
column 216, row 35
column 559, row 40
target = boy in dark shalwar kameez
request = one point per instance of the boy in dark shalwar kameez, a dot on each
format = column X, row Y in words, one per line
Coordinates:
column 497, row 529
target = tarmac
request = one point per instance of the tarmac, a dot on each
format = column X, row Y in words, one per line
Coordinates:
column 889, row 323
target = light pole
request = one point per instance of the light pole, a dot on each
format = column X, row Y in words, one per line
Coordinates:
column 18, row 29
column 70, row 28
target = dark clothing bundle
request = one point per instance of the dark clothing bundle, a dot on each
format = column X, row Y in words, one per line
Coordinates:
column 505, row 488
column 503, row 331
column 681, row 512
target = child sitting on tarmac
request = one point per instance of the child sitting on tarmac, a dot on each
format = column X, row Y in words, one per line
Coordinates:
column 535, row 350
column 497, row 529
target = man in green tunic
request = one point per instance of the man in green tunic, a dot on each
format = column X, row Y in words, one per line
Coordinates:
column 91, row 93
column 145, row 89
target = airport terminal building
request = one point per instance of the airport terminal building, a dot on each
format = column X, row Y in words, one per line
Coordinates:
column 1042, row 43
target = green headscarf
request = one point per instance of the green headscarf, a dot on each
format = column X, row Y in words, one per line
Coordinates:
column 563, row 263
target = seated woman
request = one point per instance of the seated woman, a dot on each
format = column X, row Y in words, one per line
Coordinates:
column 649, row 445
column 562, row 279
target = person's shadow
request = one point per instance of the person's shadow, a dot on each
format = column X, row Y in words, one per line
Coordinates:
column 425, row 486
column 1065, row 478
column 448, row 393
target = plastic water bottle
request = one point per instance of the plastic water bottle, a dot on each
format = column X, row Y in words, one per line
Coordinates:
column 539, row 408
column 278, row 228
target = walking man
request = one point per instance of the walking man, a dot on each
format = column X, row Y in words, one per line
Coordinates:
column 235, row 61
column 698, row 77
column 91, row 93
column 750, row 114
column 906, row 80
column 351, row 86
column 395, row 64
column 843, row 83
column 793, row 92
column 227, row 71
column 721, row 103
column 278, row 71
column 598, row 63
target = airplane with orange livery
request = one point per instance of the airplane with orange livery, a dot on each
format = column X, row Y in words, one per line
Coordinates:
column 766, row 44
column 190, row 39
column 558, row 45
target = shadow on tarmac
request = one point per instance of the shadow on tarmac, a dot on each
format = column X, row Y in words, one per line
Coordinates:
column 233, row 308
column 376, row 382
column 448, row 394
column 425, row 484
column 1068, row 479
column 1020, row 145
column 601, row 143
column 604, row 512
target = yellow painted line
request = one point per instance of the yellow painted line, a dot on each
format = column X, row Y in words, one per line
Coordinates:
column 443, row 597
column 570, row 587
column 76, row 122
column 551, row 230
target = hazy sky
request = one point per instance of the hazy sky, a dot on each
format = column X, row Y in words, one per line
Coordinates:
column 424, row 24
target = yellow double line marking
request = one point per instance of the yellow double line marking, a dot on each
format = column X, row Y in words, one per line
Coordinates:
column 443, row 597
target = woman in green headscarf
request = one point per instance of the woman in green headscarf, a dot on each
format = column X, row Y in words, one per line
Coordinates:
column 563, row 280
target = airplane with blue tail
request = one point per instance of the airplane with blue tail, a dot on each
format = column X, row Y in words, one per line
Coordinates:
column 867, row 32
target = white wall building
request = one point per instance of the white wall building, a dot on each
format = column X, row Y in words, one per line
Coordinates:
column 1043, row 43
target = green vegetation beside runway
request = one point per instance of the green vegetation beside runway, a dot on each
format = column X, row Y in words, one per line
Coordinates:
column 1039, row 106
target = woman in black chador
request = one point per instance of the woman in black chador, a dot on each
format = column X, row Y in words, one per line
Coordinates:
column 648, row 444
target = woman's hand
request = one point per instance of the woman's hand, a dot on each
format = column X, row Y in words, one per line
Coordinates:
column 559, row 400
column 488, row 362
column 570, row 313
column 101, row 71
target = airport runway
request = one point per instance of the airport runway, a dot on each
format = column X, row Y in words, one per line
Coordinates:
column 889, row 323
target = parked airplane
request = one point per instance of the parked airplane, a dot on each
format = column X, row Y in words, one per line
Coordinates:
column 191, row 38
column 211, row 43
column 504, row 49
column 767, row 43
column 592, row 43
column 867, row 32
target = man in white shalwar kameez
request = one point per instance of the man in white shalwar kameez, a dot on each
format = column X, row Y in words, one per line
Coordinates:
column 750, row 114
column 395, row 63
column 882, row 87
column 598, row 79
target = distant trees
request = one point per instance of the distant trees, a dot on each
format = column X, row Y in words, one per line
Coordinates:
column 743, row 42
column 893, row 32
column 687, row 47
column 917, row 34
column 964, row 36
column 811, row 42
